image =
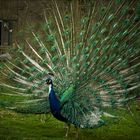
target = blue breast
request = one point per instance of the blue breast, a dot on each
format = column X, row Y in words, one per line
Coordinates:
column 55, row 106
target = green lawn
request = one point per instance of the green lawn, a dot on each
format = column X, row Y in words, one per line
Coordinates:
column 15, row 126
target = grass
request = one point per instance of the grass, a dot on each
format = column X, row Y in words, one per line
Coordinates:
column 15, row 126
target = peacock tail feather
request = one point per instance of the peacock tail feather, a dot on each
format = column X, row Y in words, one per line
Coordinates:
column 92, row 49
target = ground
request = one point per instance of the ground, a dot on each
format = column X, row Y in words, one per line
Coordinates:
column 15, row 126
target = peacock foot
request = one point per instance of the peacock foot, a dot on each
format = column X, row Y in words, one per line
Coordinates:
column 68, row 129
column 77, row 132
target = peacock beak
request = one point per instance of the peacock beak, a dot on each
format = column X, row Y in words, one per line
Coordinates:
column 48, row 81
column 49, row 78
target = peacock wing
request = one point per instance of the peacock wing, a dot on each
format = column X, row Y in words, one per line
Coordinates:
column 81, row 112
column 89, row 107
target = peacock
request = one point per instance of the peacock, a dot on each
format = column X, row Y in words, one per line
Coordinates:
column 81, row 60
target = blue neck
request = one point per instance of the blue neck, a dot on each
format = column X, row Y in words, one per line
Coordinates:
column 55, row 105
column 54, row 102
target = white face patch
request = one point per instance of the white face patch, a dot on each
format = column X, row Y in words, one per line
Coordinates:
column 50, row 87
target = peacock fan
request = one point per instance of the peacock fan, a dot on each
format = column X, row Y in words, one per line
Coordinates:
column 82, row 60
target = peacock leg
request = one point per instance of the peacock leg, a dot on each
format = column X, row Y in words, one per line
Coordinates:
column 42, row 118
column 68, row 129
column 77, row 131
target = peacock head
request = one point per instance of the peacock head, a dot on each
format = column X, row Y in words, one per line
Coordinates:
column 49, row 78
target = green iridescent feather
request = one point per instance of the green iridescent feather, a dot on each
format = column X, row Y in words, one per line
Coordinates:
column 93, row 50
